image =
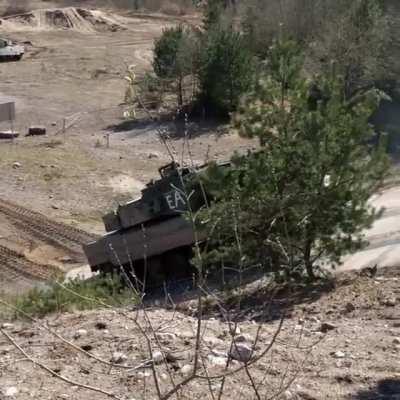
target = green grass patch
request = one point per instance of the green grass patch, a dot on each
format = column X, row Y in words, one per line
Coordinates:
column 74, row 295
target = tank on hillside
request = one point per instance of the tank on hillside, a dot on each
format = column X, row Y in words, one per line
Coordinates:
column 10, row 51
column 151, row 235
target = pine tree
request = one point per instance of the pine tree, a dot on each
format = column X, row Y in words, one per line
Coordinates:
column 174, row 57
column 227, row 70
column 302, row 198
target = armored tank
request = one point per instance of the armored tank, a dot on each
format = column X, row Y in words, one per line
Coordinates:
column 10, row 51
column 151, row 235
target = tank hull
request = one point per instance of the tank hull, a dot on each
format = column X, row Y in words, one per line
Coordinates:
column 124, row 247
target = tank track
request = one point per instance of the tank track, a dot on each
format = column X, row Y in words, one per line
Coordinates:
column 58, row 234
column 15, row 266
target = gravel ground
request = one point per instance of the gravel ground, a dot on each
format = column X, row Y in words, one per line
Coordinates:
column 342, row 343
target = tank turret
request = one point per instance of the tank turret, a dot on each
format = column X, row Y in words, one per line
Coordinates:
column 160, row 198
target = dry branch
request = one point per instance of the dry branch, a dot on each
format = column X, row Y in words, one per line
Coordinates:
column 56, row 375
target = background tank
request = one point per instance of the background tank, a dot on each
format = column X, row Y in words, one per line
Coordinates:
column 10, row 51
column 150, row 234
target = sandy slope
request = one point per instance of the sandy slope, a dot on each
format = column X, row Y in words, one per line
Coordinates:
column 358, row 359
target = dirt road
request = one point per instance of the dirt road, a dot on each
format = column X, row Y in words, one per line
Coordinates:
column 384, row 236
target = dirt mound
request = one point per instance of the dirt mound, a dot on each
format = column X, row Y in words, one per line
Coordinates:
column 70, row 18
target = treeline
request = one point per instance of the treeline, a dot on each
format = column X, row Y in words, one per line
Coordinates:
column 213, row 66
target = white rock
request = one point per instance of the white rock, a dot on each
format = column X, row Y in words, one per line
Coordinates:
column 217, row 361
column 288, row 395
column 143, row 375
column 7, row 325
column 241, row 352
column 118, row 357
column 213, row 341
column 17, row 165
column 11, row 391
column 339, row 354
column 219, row 353
column 187, row 369
column 299, row 328
column 216, row 386
column 153, row 154
column 166, row 338
column 391, row 302
column 186, row 335
column 158, row 357
column 396, row 340
column 164, row 377
column 80, row 333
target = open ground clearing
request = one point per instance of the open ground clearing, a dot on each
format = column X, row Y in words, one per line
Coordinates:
column 72, row 77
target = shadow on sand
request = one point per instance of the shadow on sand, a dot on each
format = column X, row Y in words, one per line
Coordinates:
column 261, row 300
column 386, row 389
column 174, row 129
